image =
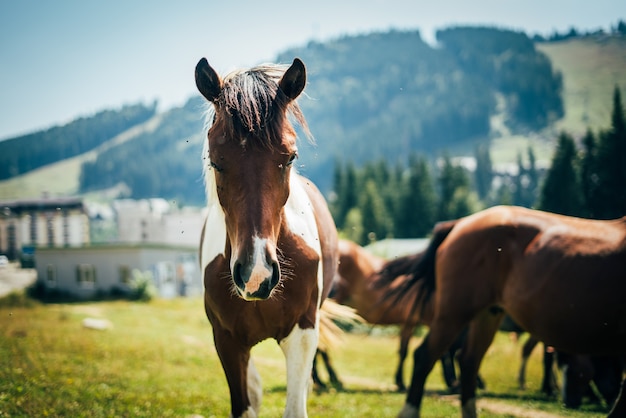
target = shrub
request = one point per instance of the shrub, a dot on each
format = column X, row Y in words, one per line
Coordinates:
column 142, row 286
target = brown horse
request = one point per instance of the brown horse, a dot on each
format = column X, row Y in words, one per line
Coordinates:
column 563, row 279
column 269, row 244
column 358, row 272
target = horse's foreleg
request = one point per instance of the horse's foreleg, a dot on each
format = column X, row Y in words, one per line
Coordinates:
column 440, row 337
column 527, row 350
column 299, row 349
column 548, row 384
column 244, row 382
column 619, row 408
column 480, row 335
column 448, row 370
column 332, row 375
column 405, row 336
column 316, row 377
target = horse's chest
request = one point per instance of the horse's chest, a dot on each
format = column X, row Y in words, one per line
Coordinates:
column 294, row 301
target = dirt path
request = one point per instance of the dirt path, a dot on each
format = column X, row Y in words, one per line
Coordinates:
column 13, row 278
column 499, row 407
column 504, row 408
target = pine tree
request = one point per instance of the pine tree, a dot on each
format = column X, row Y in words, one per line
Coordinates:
column 336, row 200
column 526, row 181
column 533, row 178
column 484, row 171
column 561, row 189
column 612, row 164
column 417, row 206
column 589, row 175
column 347, row 193
column 353, row 227
column 375, row 218
column 450, row 179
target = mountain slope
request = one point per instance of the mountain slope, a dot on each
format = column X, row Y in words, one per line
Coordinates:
column 62, row 177
column 591, row 66
column 371, row 96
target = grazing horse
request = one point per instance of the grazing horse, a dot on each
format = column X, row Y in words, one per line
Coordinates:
column 353, row 287
column 269, row 244
column 563, row 279
column 358, row 272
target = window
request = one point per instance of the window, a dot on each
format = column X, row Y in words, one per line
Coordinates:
column 66, row 228
column 33, row 228
column 86, row 276
column 125, row 274
column 50, row 229
column 51, row 275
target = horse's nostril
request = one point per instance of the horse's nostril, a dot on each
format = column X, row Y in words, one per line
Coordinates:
column 237, row 277
column 275, row 275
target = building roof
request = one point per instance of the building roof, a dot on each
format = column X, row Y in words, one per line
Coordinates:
column 12, row 207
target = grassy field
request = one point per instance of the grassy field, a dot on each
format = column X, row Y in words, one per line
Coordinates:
column 591, row 69
column 56, row 179
column 158, row 360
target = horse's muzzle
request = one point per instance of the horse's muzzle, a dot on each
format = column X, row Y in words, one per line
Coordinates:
column 255, row 282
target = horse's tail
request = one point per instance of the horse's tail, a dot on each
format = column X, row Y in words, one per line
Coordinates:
column 330, row 313
column 419, row 270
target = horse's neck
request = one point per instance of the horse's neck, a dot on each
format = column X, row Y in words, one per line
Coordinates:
column 300, row 215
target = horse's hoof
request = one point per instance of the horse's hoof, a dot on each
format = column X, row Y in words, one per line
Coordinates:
column 409, row 411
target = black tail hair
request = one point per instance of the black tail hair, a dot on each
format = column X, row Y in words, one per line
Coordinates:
column 420, row 269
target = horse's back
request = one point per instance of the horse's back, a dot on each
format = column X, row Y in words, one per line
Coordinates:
column 542, row 268
column 356, row 261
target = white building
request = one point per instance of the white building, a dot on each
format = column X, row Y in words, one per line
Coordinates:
column 155, row 221
column 45, row 222
column 101, row 270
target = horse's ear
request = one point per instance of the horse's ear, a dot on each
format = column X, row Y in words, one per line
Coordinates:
column 293, row 80
column 207, row 80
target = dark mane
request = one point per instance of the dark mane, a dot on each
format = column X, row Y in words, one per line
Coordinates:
column 253, row 106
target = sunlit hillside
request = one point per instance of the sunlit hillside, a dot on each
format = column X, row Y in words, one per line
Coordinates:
column 591, row 69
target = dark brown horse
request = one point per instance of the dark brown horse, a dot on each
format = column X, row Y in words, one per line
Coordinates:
column 269, row 244
column 562, row 279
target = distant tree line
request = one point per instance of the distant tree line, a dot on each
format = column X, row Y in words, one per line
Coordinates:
column 383, row 95
column 380, row 200
column 28, row 152
column 165, row 162
column 589, row 179
column 618, row 29
column 508, row 62
column 375, row 96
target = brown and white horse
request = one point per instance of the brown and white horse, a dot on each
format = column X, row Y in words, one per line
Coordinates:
column 269, row 244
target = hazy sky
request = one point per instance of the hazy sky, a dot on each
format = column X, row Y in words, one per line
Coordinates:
column 67, row 58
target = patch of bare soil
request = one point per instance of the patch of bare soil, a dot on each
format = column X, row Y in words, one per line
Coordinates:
column 499, row 407
column 504, row 408
column 13, row 278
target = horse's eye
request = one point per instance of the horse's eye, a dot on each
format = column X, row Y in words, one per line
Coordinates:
column 292, row 158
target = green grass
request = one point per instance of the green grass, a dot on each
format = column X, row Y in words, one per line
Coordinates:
column 158, row 360
column 60, row 178
column 591, row 69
